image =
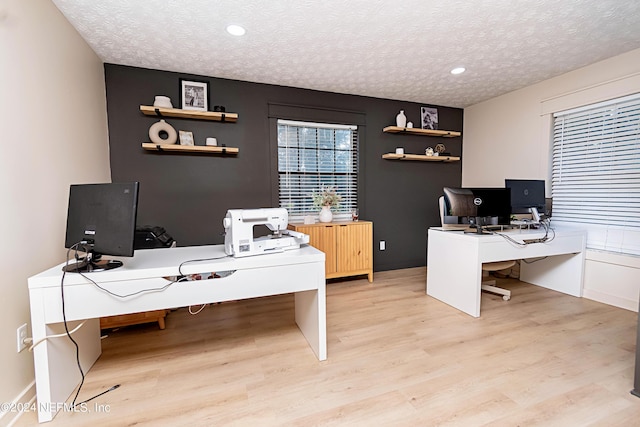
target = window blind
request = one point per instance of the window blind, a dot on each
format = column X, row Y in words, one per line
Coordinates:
column 312, row 156
column 596, row 173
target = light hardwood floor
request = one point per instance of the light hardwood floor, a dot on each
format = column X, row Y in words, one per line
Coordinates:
column 396, row 357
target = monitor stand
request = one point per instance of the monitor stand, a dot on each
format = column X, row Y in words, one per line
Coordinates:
column 535, row 215
column 478, row 227
column 92, row 262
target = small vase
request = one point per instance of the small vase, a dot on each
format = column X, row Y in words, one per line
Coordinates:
column 401, row 119
column 325, row 214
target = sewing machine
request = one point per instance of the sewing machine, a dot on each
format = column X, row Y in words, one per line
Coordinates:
column 238, row 229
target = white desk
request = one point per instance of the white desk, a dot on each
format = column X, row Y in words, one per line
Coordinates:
column 298, row 271
column 454, row 263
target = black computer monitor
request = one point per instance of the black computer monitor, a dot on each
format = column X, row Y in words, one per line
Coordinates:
column 101, row 220
column 494, row 205
column 489, row 206
column 526, row 194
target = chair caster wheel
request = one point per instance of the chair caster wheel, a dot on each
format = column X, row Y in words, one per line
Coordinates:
column 506, row 298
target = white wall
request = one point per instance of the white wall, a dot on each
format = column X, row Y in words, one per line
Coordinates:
column 509, row 137
column 53, row 123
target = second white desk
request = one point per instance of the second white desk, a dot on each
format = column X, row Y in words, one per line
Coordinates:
column 454, row 263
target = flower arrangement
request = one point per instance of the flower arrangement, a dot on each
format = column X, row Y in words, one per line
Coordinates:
column 327, row 197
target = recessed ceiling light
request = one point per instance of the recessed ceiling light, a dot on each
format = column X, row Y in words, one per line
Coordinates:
column 458, row 70
column 236, row 30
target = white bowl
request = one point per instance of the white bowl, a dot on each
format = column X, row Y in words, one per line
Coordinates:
column 163, row 101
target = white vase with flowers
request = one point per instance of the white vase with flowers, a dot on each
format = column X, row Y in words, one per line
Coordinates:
column 325, row 199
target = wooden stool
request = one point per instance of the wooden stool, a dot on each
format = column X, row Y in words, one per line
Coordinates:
column 489, row 285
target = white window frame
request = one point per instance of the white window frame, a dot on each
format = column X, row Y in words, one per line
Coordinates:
column 595, row 176
column 310, row 164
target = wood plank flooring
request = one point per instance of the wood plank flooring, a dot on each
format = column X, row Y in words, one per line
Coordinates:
column 396, row 357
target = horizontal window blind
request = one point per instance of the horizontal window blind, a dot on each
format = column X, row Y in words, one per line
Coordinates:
column 596, row 173
column 312, row 156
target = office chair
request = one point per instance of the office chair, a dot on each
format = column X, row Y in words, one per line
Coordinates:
column 487, row 267
column 490, row 285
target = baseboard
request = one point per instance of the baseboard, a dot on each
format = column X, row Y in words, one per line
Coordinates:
column 26, row 398
column 613, row 300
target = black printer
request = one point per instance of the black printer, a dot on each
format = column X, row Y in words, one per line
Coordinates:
column 152, row 236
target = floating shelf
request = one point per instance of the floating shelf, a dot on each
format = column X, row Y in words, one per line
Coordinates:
column 189, row 114
column 206, row 149
column 423, row 132
column 420, row 157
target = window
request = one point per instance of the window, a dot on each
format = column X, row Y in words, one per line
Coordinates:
column 313, row 155
column 596, row 173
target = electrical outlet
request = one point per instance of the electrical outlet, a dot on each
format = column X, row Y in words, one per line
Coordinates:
column 21, row 335
column 383, row 245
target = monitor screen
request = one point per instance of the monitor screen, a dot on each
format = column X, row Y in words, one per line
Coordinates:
column 494, row 205
column 491, row 205
column 101, row 220
column 525, row 194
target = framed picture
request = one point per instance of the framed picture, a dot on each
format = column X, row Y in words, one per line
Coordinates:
column 429, row 118
column 186, row 137
column 194, row 95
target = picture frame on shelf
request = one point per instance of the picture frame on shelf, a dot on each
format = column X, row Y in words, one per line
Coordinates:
column 186, row 137
column 194, row 95
column 429, row 117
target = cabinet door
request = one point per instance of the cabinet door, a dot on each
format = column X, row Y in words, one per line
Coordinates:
column 355, row 247
column 323, row 238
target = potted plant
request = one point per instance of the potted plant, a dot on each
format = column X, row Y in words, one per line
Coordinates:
column 326, row 198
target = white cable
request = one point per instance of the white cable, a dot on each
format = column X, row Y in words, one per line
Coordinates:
column 199, row 310
column 56, row 336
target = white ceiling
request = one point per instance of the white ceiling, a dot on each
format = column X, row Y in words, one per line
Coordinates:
column 381, row 48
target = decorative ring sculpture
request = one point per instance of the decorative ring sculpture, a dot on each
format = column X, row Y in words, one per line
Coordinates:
column 162, row 126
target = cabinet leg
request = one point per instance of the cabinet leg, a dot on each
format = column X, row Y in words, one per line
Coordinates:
column 370, row 277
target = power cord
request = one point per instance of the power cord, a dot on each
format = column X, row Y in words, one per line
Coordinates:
column 180, row 278
column 202, row 307
column 197, row 311
column 68, row 333
column 100, row 394
column 545, row 223
column 41, row 340
column 141, row 291
column 199, row 260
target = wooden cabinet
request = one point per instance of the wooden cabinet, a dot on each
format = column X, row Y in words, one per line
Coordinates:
column 348, row 246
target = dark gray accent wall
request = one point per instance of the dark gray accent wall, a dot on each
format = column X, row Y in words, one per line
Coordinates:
column 189, row 194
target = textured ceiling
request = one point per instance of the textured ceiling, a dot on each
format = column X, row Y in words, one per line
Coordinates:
column 380, row 48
